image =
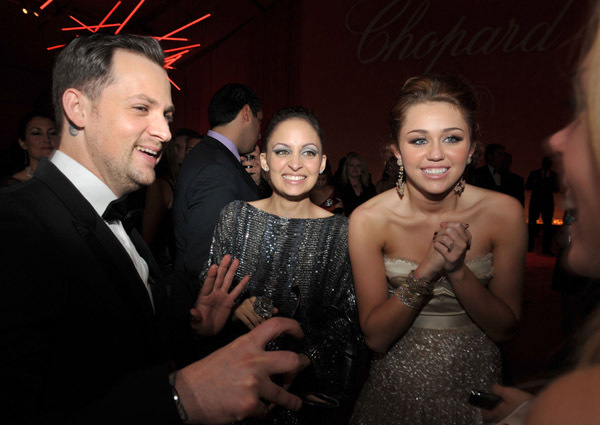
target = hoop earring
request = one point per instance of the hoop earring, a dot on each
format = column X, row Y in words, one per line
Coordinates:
column 400, row 181
column 459, row 188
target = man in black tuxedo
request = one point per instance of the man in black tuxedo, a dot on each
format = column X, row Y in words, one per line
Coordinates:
column 211, row 177
column 490, row 175
column 543, row 184
column 82, row 329
column 512, row 184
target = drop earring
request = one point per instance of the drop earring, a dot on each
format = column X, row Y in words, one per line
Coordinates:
column 459, row 188
column 400, row 181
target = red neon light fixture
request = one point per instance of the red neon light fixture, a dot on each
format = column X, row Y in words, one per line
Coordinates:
column 109, row 13
column 184, row 27
column 174, row 85
column 93, row 28
column 42, row 7
column 191, row 46
column 169, row 60
column 129, row 17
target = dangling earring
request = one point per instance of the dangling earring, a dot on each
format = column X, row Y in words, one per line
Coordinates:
column 400, row 181
column 460, row 186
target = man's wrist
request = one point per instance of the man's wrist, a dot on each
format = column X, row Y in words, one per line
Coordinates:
column 176, row 399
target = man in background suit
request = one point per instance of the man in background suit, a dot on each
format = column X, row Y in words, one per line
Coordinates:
column 490, row 175
column 543, row 184
column 512, row 184
column 82, row 329
column 211, row 177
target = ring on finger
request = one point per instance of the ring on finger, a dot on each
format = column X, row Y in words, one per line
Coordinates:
column 450, row 247
column 263, row 307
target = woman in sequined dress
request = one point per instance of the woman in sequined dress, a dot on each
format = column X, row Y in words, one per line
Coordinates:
column 438, row 267
column 296, row 255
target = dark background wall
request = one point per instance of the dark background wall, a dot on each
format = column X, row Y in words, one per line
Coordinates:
column 345, row 59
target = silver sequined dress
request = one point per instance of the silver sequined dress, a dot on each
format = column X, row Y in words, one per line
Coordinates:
column 304, row 266
column 426, row 376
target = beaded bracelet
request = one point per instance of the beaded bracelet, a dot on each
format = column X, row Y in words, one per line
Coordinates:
column 413, row 292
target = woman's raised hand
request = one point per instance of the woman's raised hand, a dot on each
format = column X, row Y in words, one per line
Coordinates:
column 214, row 303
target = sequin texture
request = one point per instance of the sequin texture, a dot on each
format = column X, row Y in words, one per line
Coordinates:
column 304, row 267
column 427, row 375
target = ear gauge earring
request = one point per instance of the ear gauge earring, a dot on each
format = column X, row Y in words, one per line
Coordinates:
column 400, row 181
column 72, row 130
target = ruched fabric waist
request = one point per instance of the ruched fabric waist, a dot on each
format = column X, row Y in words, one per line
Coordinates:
column 447, row 321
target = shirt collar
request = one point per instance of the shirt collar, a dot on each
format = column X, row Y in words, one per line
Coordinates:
column 226, row 142
column 91, row 187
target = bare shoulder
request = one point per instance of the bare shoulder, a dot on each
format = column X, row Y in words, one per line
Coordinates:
column 495, row 205
column 376, row 209
column 571, row 399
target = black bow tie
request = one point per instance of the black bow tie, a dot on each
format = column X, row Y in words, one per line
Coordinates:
column 119, row 209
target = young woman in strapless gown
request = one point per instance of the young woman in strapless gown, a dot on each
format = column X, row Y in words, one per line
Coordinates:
column 438, row 267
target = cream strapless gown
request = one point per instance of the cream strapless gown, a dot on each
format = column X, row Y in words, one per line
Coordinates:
column 427, row 375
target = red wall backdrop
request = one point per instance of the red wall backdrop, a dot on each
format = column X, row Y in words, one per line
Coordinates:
column 347, row 59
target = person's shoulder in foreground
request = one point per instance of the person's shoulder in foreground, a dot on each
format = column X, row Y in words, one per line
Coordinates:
column 574, row 399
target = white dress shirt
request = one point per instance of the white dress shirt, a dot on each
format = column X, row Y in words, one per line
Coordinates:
column 99, row 196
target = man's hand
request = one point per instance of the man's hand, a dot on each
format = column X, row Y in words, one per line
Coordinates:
column 234, row 382
column 252, row 166
column 214, row 303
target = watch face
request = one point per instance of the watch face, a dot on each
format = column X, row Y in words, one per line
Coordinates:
column 329, row 202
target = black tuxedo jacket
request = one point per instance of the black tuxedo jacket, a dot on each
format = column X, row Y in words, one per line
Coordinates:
column 210, row 178
column 79, row 339
column 542, row 189
column 482, row 177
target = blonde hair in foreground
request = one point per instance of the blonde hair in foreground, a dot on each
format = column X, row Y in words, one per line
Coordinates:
column 592, row 95
column 589, row 336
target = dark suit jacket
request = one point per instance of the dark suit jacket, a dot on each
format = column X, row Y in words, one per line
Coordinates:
column 542, row 189
column 210, row 178
column 512, row 184
column 482, row 177
column 79, row 340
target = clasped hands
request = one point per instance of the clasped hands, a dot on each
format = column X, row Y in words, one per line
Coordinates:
column 448, row 248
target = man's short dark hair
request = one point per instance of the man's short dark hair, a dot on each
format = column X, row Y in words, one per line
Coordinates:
column 491, row 149
column 228, row 101
column 188, row 133
column 86, row 64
